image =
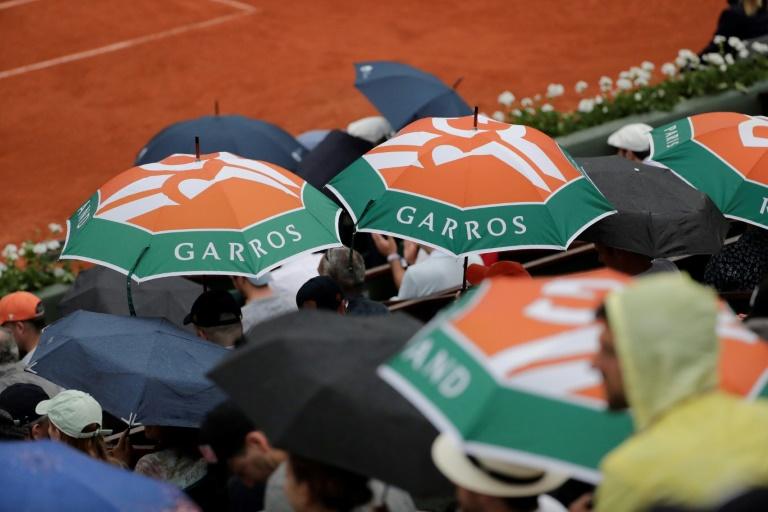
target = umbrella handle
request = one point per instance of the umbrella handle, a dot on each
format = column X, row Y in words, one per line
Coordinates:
column 131, row 309
column 464, row 279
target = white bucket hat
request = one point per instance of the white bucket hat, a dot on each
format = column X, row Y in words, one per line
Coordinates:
column 71, row 411
column 490, row 477
column 633, row 137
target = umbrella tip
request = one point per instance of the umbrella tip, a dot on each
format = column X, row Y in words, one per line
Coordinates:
column 197, row 148
column 216, row 108
column 457, row 82
column 476, row 110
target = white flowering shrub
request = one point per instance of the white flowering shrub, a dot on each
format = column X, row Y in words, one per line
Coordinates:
column 641, row 89
column 31, row 266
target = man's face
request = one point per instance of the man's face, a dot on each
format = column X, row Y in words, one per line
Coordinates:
column 470, row 501
column 607, row 362
column 252, row 465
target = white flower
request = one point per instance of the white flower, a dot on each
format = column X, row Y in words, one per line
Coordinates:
column 641, row 81
column 517, row 112
column 555, row 90
column 605, row 110
column 55, row 228
column 605, row 83
column 669, row 69
column 537, row 98
column 681, row 62
column 53, row 245
column 735, row 42
column 719, row 39
column 506, row 98
column 598, row 100
column 723, row 68
column 498, row 116
column 40, row 248
column 3, row 268
column 660, row 93
column 687, row 54
column 760, row 47
column 547, row 108
column 530, row 110
column 713, row 58
column 648, row 65
column 625, row 74
column 743, row 54
column 623, row 84
column 638, row 96
column 580, row 86
column 11, row 251
column 586, row 106
column 729, row 59
column 526, row 102
column 58, row 272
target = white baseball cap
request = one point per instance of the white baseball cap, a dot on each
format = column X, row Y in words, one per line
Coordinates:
column 490, row 477
column 633, row 137
column 71, row 411
column 372, row 129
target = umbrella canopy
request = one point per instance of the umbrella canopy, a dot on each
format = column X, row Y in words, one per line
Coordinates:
column 49, row 475
column 331, row 156
column 308, row 379
column 249, row 138
column 404, row 94
column 142, row 370
column 102, row 290
column 722, row 154
column 515, row 379
column 658, row 214
column 465, row 189
column 222, row 214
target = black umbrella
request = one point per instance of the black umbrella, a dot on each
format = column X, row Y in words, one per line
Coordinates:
column 102, row 290
column 308, row 379
column 659, row 215
column 331, row 156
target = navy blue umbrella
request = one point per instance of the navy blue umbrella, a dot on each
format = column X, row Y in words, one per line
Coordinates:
column 404, row 94
column 249, row 138
column 49, row 475
column 143, row 370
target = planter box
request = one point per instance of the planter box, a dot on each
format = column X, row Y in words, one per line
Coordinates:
column 592, row 141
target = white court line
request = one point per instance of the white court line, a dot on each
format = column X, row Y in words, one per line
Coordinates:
column 244, row 10
column 16, row 3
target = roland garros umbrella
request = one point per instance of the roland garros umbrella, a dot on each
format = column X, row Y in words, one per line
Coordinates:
column 222, row 214
column 723, row 154
column 467, row 189
column 308, row 379
column 404, row 94
column 249, row 138
column 507, row 369
column 658, row 214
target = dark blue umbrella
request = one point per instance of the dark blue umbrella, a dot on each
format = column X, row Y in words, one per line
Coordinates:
column 143, row 370
column 404, row 94
column 249, row 138
column 48, row 475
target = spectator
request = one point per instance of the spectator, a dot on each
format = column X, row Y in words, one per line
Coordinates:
column 347, row 268
column 633, row 142
column 658, row 356
column 476, row 274
column 744, row 19
column 313, row 486
column 321, row 292
column 741, row 265
column 435, row 273
column 216, row 317
column 22, row 314
column 632, row 263
column 20, row 401
column 9, row 352
column 262, row 302
column 485, row 484
column 75, row 419
column 177, row 459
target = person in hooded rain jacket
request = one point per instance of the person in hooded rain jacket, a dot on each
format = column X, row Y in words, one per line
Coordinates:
column 693, row 444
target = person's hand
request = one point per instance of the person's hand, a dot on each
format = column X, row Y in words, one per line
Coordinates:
column 410, row 251
column 123, row 451
column 386, row 245
column 582, row 504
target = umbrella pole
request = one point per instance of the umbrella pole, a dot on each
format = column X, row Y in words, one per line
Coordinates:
column 197, row 148
column 131, row 309
column 464, row 280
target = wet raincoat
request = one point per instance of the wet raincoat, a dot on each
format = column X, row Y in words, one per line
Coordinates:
column 693, row 444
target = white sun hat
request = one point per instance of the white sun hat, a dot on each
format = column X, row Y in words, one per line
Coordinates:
column 71, row 411
column 633, row 137
column 372, row 129
column 490, row 477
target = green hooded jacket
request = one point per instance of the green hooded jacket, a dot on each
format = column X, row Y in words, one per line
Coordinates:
column 693, row 444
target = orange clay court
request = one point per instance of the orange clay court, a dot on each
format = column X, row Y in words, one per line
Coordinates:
column 85, row 83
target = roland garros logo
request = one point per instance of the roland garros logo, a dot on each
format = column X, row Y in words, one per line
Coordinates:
column 511, row 163
column 181, row 194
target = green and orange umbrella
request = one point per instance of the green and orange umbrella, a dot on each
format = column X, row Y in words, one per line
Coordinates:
column 722, row 154
column 219, row 214
column 469, row 185
column 507, row 370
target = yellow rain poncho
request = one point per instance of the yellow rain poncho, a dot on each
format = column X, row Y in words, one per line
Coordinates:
column 693, row 445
